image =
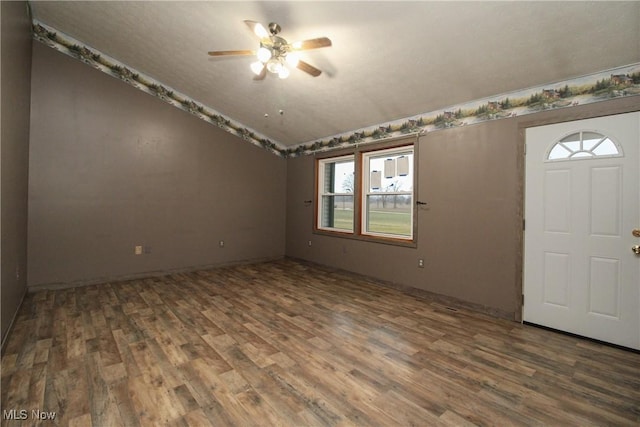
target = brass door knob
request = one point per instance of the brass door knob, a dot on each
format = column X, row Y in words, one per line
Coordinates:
column 636, row 249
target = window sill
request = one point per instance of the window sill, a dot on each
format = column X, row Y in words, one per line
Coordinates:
column 366, row 238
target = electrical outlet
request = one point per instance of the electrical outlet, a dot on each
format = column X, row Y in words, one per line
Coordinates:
column 309, row 242
column 421, row 263
column 137, row 250
column 221, row 243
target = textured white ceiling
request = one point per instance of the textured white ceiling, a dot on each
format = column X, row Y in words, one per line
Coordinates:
column 389, row 60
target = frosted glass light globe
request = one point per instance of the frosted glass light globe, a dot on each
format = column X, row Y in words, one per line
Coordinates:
column 283, row 73
column 264, row 54
column 274, row 66
column 292, row 59
column 257, row 67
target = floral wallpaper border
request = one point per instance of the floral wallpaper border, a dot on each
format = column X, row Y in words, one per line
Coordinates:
column 618, row 82
column 613, row 83
column 69, row 46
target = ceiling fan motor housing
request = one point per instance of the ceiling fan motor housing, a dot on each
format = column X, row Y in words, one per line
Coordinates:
column 274, row 28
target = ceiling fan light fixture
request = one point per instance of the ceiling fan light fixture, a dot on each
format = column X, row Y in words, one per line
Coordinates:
column 264, row 54
column 260, row 31
column 283, row 73
column 292, row 59
column 274, row 66
column 257, row 67
column 275, row 54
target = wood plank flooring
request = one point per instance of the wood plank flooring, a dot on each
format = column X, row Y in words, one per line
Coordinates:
column 286, row 343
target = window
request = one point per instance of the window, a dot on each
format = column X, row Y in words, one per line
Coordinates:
column 387, row 209
column 367, row 194
column 336, row 179
column 582, row 145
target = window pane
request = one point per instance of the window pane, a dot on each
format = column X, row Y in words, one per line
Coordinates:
column 572, row 145
column 337, row 212
column 589, row 140
column 393, row 179
column 606, row 148
column 572, row 137
column 559, row 152
column 389, row 214
column 339, row 177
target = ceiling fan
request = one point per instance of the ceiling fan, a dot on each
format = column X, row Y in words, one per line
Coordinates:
column 275, row 54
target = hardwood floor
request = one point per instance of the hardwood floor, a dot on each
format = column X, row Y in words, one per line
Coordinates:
column 285, row 343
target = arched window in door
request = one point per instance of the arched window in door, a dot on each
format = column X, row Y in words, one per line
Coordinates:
column 584, row 145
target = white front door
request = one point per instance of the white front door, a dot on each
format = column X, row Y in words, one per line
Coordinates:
column 582, row 205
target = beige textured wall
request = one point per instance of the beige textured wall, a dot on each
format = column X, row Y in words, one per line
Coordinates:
column 470, row 233
column 112, row 167
column 15, row 27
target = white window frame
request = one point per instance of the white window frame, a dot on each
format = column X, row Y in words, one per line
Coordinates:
column 367, row 191
column 321, row 193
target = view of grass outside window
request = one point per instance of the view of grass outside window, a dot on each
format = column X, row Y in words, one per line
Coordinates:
column 385, row 183
column 385, row 219
column 388, row 193
column 336, row 190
